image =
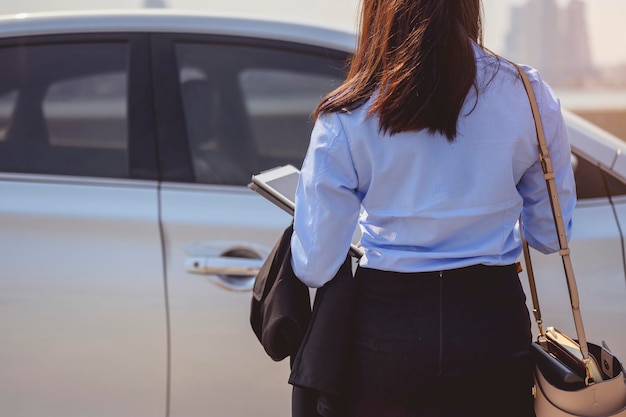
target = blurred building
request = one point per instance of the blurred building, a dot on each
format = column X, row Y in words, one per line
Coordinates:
column 553, row 39
column 155, row 4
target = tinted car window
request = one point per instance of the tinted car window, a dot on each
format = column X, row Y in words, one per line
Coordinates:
column 88, row 111
column 248, row 108
column 279, row 104
column 63, row 109
column 7, row 105
column 592, row 182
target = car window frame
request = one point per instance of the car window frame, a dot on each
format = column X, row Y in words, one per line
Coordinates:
column 593, row 182
column 175, row 160
column 142, row 151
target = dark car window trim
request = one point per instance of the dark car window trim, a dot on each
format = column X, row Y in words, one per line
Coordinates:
column 142, row 130
column 283, row 45
column 174, row 153
column 142, row 158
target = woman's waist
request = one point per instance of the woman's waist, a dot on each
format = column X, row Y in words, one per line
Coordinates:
column 415, row 259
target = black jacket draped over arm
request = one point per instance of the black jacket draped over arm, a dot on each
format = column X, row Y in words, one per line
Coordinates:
column 319, row 342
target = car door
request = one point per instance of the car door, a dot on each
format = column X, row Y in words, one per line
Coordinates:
column 82, row 305
column 229, row 107
column 600, row 255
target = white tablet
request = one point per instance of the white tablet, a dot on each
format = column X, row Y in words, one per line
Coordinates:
column 278, row 185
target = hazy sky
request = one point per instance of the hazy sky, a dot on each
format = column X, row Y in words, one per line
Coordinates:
column 606, row 26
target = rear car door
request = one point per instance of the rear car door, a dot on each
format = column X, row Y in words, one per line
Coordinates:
column 242, row 106
column 82, row 307
column 599, row 255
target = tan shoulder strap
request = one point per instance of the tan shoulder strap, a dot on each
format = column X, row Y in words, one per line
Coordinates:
column 548, row 172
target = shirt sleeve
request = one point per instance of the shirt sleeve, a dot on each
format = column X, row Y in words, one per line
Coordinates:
column 327, row 205
column 537, row 217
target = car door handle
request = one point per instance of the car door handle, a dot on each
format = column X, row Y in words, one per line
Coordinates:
column 224, row 265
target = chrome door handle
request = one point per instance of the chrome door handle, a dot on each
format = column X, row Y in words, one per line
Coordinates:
column 231, row 266
column 224, row 265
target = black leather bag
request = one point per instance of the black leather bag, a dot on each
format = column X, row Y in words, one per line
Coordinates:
column 280, row 310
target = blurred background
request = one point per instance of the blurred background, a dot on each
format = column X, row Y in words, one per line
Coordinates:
column 576, row 44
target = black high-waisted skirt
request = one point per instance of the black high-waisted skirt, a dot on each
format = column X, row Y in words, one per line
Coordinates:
column 450, row 343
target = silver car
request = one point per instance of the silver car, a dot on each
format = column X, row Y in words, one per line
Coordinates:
column 128, row 240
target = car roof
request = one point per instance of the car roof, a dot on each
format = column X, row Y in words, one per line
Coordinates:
column 595, row 144
column 598, row 146
column 172, row 21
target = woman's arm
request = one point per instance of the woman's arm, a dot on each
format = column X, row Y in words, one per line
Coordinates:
column 327, row 204
column 537, row 217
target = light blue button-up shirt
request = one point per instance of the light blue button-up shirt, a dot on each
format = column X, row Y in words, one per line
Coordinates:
column 424, row 204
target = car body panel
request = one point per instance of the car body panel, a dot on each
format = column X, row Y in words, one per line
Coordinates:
column 156, row 21
column 82, row 306
column 218, row 365
column 597, row 145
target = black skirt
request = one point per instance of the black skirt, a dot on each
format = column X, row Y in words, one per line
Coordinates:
column 435, row 344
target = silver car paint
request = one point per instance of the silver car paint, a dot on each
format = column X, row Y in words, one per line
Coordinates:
column 82, row 306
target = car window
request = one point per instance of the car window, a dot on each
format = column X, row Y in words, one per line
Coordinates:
column 63, row 109
column 248, row 108
column 7, row 104
column 88, row 111
column 592, row 182
column 279, row 104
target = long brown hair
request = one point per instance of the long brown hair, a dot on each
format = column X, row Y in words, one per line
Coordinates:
column 418, row 55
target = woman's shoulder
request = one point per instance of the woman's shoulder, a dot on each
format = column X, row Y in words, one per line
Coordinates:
column 547, row 99
column 337, row 121
column 495, row 67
